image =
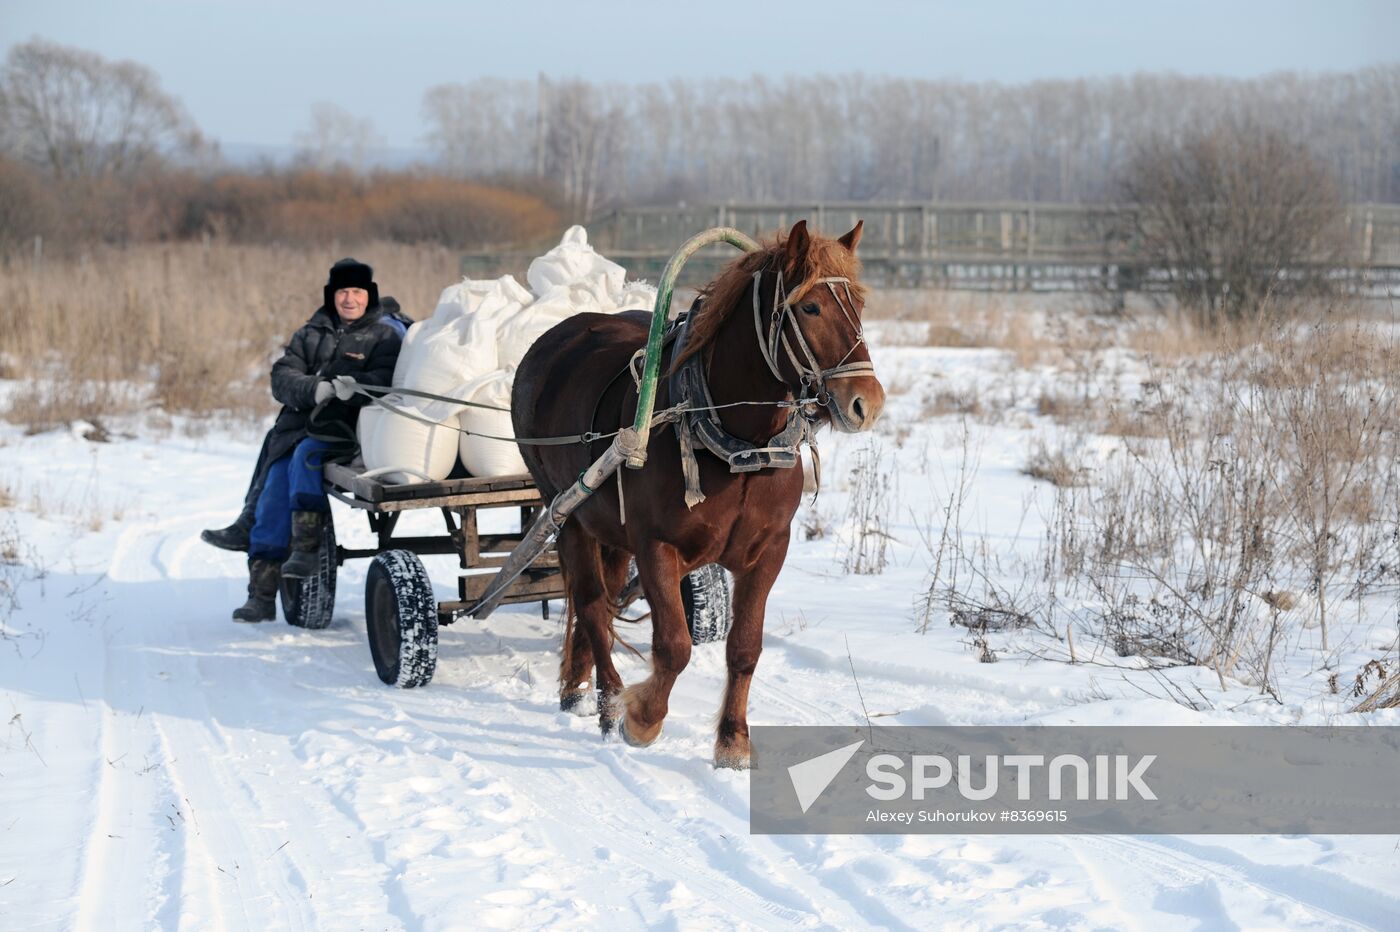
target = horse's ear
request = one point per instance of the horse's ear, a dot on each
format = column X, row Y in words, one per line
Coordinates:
column 797, row 243
column 852, row 238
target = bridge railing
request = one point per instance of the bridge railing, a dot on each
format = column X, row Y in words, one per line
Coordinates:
column 987, row 245
column 1070, row 232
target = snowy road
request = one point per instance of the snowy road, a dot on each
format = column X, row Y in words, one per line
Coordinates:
column 164, row 767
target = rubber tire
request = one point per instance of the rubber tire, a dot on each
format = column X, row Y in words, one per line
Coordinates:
column 707, row 597
column 310, row 602
column 401, row 619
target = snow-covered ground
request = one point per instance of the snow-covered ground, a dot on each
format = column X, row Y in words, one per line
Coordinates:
column 161, row 766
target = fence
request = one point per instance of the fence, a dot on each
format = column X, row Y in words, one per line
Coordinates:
column 984, row 246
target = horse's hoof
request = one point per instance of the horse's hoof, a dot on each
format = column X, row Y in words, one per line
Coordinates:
column 636, row 742
column 732, row 761
column 570, row 701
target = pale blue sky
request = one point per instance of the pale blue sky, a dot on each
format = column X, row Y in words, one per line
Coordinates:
column 250, row 70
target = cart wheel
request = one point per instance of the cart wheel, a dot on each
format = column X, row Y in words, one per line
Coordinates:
column 708, row 608
column 310, row 602
column 401, row 619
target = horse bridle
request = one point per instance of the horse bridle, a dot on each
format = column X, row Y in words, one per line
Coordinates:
column 810, row 373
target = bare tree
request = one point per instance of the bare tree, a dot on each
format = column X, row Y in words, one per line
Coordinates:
column 487, row 127
column 582, row 131
column 335, row 137
column 82, row 116
column 1237, row 214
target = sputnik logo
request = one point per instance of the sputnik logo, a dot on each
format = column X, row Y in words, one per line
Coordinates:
column 811, row 777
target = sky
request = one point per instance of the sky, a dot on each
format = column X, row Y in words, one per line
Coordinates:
column 249, row 71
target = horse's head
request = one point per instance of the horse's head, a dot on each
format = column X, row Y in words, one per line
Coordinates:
column 819, row 345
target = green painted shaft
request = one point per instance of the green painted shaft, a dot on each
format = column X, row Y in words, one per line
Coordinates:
column 665, row 288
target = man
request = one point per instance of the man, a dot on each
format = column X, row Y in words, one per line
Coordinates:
column 235, row 536
column 347, row 336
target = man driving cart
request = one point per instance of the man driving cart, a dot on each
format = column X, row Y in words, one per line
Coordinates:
column 352, row 335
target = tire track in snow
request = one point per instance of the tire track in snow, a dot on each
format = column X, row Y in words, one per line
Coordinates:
column 117, row 848
column 254, row 782
column 214, row 852
column 128, row 861
column 686, row 753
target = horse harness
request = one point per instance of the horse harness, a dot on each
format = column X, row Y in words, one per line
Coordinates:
column 690, row 389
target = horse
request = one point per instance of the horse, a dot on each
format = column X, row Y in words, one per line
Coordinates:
column 687, row 507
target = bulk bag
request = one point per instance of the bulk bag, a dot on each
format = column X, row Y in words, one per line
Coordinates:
column 481, row 455
column 517, row 334
column 400, row 450
column 574, row 261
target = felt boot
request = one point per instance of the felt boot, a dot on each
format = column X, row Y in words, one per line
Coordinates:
column 306, row 544
column 264, row 576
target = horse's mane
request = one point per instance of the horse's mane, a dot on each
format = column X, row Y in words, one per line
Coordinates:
column 826, row 258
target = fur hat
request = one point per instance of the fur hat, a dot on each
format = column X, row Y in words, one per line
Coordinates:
column 351, row 273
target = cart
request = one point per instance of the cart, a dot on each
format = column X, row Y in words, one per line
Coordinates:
column 402, row 614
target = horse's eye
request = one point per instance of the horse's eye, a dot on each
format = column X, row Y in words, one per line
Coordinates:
column 813, row 309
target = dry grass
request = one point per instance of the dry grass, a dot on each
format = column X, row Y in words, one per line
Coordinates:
column 177, row 328
column 1253, row 497
column 1170, row 336
column 1274, row 473
column 874, row 495
column 1054, row 329
column 1102, row 416
column 1062, row 408
column 949, row 401
column 1048, row 329
column 1059, row 467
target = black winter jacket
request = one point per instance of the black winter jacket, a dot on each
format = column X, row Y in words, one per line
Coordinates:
column 322, row 349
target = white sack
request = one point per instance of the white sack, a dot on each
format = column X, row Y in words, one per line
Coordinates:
column 483, row 456
column 388, row 441
column 572, row 262
column 636, row 296
column 516, row 334
column 487, row 299
column 441, row 358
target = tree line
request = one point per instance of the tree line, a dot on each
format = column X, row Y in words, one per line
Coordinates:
column 855, row 137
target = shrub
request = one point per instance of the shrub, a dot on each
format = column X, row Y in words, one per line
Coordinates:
column 1236, row 215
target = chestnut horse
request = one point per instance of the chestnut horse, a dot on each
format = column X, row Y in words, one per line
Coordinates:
column 574, row 379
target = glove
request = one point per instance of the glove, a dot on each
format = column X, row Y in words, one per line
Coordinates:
column 324, row 391
column 344, row 387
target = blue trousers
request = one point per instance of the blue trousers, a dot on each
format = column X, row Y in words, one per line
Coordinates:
column 293, row 483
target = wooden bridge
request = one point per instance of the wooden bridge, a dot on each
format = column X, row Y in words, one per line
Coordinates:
column 1012, row 246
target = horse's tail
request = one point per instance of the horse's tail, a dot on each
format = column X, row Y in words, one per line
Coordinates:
column 619, row 639
column 566, row 656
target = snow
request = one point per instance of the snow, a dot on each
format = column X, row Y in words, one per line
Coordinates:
column 162, row 766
